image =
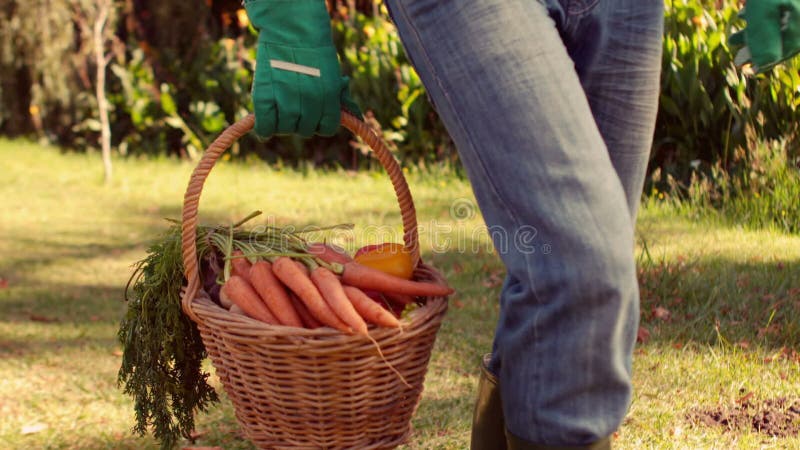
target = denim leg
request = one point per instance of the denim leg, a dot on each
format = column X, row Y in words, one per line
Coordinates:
column 506, row 88
column 621, row 76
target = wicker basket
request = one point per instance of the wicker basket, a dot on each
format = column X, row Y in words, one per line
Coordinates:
column 296, row 388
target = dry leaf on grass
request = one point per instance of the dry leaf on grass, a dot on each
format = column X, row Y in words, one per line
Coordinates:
column 643, row 335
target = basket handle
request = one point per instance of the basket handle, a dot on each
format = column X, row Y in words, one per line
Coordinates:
column 230, row 135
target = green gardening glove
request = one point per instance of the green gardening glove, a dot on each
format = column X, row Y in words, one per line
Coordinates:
column 772, row 34
column 298, row 87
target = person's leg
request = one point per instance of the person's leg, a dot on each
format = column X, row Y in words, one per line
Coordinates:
column 504, row 85
column 621, row 76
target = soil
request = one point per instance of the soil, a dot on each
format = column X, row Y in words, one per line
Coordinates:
column 778, row 417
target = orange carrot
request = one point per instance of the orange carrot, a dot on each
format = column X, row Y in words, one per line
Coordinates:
column 293, row 277
column 241, row 293
column 369, row 309
column 224, row 300
column 308, row 320
column 240, row 266
column 274, row 294
column 328, row 253
column 302, row 268
column 364, row 277
column 331, row 289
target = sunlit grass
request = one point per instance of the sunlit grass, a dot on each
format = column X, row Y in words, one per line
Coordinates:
column 67, row 243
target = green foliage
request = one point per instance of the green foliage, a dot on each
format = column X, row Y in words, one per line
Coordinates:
column 185, row 71
column 765, row 196
column 385, row 84
column 162, row 349
column 711, row 112
column 211, row 91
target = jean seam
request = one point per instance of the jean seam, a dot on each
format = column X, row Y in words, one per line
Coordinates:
column 471, row 141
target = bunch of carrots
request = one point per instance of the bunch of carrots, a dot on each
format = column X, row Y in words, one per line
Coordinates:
column 311, row 285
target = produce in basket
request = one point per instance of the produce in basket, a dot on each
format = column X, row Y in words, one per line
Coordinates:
column 274, row 294
column 388, row 257
column 272, row 275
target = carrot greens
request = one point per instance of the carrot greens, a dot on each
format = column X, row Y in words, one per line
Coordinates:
column 163, row 352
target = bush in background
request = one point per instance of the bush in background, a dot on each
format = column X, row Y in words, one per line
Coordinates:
column 726, row 139
column 182, row 72
column 712, row 114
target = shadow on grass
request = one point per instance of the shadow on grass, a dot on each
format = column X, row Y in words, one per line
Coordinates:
column 11, row 347
column 716, row 299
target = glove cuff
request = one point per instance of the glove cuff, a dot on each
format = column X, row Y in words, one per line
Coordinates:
column 299, row 23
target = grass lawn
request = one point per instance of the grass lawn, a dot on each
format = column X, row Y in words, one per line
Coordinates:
column 719, row 303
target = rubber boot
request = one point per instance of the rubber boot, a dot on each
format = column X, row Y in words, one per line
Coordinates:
column 488, row 425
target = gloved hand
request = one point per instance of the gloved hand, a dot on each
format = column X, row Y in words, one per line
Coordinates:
column 298, row 87
column 772, row 34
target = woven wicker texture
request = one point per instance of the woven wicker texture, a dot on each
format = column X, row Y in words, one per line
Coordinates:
column 294, row 388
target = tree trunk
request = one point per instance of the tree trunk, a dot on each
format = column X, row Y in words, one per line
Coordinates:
column 100, row 88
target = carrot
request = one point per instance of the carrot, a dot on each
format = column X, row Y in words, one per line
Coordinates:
column 302, row 268
column 369, row 309
column 236, row 310
column 224, row 300
column 360, row 276
column 328, row 253
column 274, row 294
column 308, row 320
column 242, row 294
column 331, row 289
column 240, row 265
column 290, row 274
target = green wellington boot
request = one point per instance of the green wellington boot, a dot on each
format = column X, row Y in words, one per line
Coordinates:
column 488, row 426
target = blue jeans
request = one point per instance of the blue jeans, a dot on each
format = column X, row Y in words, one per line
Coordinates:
column 552, row 106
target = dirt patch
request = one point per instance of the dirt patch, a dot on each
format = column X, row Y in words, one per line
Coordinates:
column 778, row 417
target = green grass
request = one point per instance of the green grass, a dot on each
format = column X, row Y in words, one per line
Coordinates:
column 67, row 243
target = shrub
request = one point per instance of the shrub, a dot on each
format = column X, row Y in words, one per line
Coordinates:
column 712, row 113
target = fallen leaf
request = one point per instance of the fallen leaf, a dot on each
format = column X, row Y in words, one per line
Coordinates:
column 458, row 304
column 3, row 283
column 642, row 335
column 743, row 281
column 116, row 353
column 40, row 318
column 744, row 398
column 493, row 280
column 660, row 313
column 743, row 344
column 770, row 330
column 33, row 428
